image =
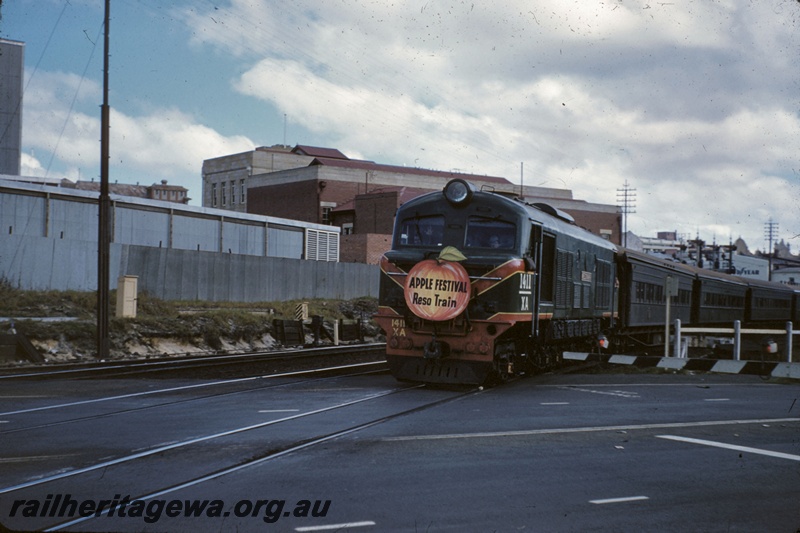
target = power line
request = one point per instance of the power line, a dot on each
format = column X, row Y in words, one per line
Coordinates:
column 36, row 68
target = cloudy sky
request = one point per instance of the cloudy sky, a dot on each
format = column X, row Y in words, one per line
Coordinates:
column 694, row 103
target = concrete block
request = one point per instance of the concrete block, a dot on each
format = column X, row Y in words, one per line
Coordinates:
column 728, row 367
column 622, row 359
column 787, row 370
column 675, row 363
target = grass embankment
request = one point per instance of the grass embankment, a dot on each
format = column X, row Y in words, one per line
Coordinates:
column 160, row 327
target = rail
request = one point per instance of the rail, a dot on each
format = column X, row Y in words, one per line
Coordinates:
column 189, row 361
column 737, row 333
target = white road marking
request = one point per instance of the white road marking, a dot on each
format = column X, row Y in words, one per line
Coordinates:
column 691, row 385
column 590, row 429
column 554, row 403
column 623, row 394
column 279, row 410
column 734, row 447
column 619, row 500
column 717, row 400
column 30, row 458
column 336, row 526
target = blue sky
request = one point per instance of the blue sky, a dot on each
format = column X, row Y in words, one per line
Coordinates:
column 695, row 103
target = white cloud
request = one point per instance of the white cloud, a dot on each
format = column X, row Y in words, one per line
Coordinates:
column 169, row 142
column 164, row 144
column 30, row 166
column 686, row 102
column 693, row 103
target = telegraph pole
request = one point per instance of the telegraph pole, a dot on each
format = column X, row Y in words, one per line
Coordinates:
column 626, row 201
column 104, row 208
column 771, row 234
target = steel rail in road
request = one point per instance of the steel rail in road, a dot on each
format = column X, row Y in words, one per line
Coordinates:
column 314, row 374
column 164, row 364
column 294, row 447
column 245, row 461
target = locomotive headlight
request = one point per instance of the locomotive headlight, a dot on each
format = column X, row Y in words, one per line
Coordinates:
column 458, row 191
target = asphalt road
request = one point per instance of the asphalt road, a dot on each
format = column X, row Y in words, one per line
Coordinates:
column 619, row 452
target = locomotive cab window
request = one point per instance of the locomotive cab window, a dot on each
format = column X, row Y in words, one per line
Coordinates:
column 422, row 231
column 490, row 233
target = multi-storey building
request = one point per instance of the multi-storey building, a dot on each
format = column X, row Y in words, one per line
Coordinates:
column 11, row 69
column 226, row 179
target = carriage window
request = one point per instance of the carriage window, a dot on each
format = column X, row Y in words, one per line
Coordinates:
column 422, row 231
column 490, row 233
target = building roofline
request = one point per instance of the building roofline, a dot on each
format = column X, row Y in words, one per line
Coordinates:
column 133, row 201
column 317, row 151
column 371, row 165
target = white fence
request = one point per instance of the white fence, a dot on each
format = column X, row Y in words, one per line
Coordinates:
column 736, row 332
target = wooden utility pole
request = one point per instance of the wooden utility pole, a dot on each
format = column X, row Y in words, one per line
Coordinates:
column 104, row 233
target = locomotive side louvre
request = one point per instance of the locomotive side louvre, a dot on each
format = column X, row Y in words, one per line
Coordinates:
column 577, row 283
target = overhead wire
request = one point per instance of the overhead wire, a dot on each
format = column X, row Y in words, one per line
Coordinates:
column 36, row 67
column 30, row 215
column 74, row 98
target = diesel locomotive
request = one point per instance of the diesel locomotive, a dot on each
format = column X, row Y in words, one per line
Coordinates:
column 480, row 286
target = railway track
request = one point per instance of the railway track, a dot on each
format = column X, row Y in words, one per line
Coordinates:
column 217, row 432
column 224, row 365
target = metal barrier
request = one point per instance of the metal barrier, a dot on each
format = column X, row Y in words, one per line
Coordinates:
column 737, row 333
column 289, row 332
column 293, row 332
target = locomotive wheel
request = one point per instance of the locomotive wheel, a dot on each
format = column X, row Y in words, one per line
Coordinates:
column 546, row 358
column 505, row 358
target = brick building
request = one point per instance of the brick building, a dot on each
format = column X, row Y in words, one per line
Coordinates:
column 366, row 228
column 227, row 179
column 322, row 185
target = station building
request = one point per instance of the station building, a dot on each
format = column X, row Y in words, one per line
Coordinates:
column 324, row 186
